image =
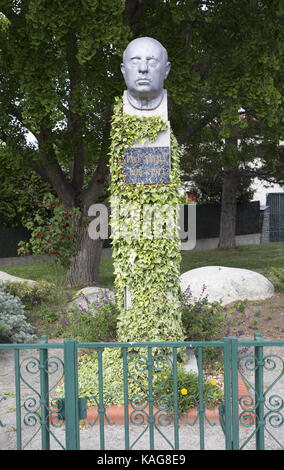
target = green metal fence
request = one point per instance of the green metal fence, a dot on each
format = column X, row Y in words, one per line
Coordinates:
column 249, row 415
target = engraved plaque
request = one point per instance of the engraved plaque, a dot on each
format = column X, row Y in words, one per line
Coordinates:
column 147, row 165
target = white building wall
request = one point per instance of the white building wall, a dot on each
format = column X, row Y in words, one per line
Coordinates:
column 262, row 189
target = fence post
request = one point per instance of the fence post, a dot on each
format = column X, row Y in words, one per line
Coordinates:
column 259, row 397
column 101, row 408
column 18, row 398
column 71, row 395
column 44, row 395
column 125, row 390
column 175, row 388
column 235, row 393
column 201, row 408
column 151, row 419
column 227, row 393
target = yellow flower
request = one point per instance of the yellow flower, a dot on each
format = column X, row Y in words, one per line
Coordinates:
column 165, row 376
column 213, row 382
column 183, row 391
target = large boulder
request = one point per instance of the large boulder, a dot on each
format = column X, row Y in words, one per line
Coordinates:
column 5, row 277
column 91, row 296
column 226, row 284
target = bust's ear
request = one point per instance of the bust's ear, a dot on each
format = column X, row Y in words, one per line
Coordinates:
column 168, row 68
column 122, row 68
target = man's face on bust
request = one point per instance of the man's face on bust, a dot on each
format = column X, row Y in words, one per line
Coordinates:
column 145, row 67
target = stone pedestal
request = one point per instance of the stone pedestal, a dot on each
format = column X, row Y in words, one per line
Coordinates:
column 163, row 139
column 147, row 162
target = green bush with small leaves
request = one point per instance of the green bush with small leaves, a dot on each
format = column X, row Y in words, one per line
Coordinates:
column 55, row 236
column 187, row 389
column 97, row 322
column 31, row 293
column 276, row 277
column 202, row 319
column 14, row 327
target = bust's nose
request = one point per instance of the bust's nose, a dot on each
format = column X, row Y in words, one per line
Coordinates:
column 143, row 66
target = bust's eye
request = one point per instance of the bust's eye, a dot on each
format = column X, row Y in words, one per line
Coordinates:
column 135, row 60
column 152, row 62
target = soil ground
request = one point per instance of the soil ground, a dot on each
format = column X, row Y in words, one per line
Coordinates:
column 264, row 316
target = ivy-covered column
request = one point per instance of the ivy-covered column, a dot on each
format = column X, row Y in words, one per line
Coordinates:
column 145, row 182
column 145, row 202
column 146, row 258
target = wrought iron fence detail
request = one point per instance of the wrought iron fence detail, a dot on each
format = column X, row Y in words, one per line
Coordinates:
column 39, row 410
column 48, row 405
column 149, row 406
column 261, row 409
column 95, row 414
column 56, row 412
column 273, row 404
column 247, row 415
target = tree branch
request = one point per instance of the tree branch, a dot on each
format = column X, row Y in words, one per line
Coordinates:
column 183, row 137
column 133, row 12
column 52, row 169
column 96, row 185
column 16, row 113
column 10, row 15
column 74, row 118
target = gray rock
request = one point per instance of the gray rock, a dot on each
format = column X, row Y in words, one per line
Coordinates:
column 5, row 278
column 90, row 296
column 226, row 285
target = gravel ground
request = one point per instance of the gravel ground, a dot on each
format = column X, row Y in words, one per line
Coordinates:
column 114, row 435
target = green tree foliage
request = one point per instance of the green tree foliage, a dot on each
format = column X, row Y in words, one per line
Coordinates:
column 21, row 195
column 239, row 52
column 225, row 56
column 59, row 73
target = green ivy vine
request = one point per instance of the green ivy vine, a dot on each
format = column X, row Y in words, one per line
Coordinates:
column 149, row 267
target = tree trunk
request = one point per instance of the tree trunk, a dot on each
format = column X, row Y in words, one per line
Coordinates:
column 85, row 265
column 227, row 238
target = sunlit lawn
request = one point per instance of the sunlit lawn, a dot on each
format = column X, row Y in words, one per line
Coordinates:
column 260, row 258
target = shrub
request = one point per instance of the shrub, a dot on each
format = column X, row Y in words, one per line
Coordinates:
column 188, row 390
column 202, row 320
column 14, row 327
column 276, row 277
column 56, row 235
column 98, row 322
column 31, row 294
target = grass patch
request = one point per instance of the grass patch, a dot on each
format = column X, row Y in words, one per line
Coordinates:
column 260, row 258
column 44, row 272
column 35, row 272
column 106, row 275
column 266, row 259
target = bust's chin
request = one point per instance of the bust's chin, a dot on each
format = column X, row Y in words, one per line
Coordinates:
column 145, row 102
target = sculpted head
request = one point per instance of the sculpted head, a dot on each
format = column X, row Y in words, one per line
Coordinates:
column 145, row 67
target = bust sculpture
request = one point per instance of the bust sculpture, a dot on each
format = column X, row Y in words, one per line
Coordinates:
column 145, row 67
